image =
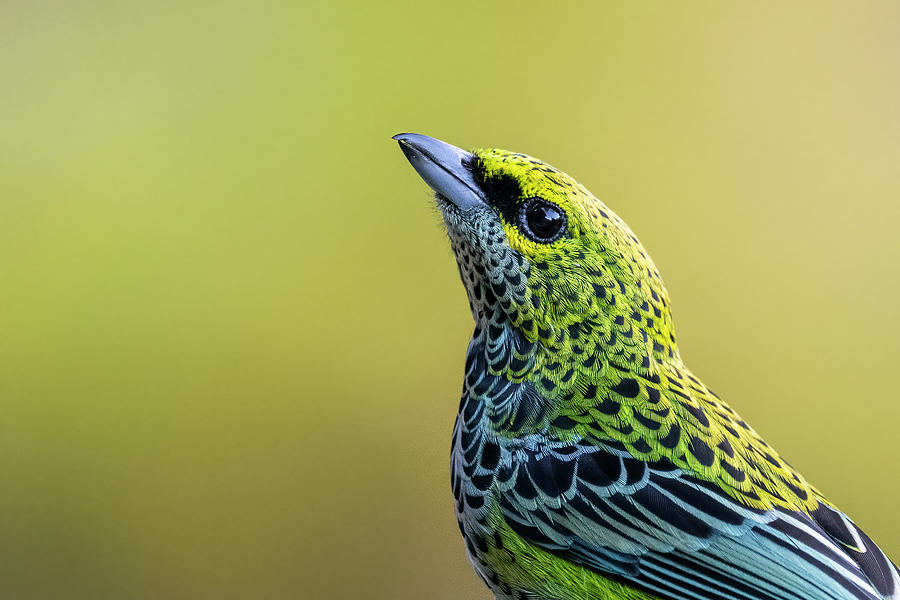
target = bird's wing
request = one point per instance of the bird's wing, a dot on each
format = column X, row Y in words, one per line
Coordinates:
column 884, row 575
column 654, row 526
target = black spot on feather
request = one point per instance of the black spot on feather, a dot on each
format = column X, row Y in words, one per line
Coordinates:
column 628, row 388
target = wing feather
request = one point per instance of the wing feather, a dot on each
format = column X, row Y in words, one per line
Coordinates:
column 658, row 528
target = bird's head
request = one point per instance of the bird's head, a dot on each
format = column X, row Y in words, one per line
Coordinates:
column 541, row 256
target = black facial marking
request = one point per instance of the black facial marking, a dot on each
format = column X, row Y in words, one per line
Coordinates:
column 501, row 191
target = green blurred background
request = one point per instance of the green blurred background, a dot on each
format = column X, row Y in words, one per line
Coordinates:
column 232, row 330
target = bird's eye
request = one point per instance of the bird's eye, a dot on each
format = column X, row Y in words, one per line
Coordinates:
column 542, row 221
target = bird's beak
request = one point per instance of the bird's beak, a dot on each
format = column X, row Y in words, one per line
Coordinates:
column 444, row 168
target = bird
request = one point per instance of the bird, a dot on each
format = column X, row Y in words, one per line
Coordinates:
column 588, row 462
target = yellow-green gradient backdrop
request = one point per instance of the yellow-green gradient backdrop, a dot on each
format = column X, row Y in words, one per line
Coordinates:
column 231, row 330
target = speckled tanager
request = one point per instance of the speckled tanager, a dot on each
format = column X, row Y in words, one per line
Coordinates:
column 588, row 462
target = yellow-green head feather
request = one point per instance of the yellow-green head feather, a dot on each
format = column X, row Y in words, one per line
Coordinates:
column 596, row 271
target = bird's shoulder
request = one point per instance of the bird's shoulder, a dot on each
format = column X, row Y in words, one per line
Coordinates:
column 666, row 414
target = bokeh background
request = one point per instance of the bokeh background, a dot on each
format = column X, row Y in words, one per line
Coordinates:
column 231, row 330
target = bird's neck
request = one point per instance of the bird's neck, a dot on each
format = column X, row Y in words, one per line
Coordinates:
column 526, row 385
